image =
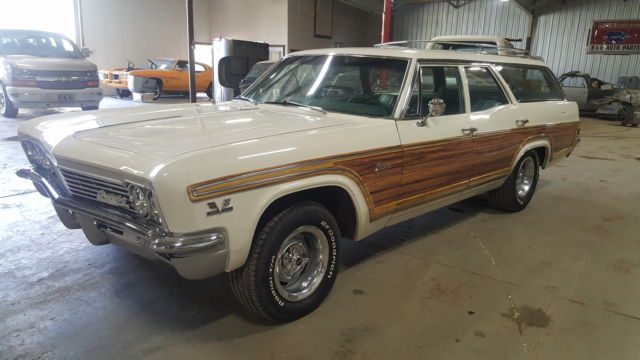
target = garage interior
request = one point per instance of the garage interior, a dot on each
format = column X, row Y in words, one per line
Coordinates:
column 555, row 281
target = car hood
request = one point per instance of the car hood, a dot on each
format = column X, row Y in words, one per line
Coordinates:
column 50, row 63
column 161, row 132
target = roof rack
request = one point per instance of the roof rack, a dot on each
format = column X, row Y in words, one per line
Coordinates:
column 483, row 48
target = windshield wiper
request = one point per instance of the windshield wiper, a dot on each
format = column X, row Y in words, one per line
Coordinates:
column 289, row 102
column 240, row 97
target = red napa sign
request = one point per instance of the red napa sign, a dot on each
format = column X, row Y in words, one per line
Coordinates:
column 615, row 37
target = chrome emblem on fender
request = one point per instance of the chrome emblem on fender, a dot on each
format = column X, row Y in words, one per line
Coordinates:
column 215, row 210
column 111, row 198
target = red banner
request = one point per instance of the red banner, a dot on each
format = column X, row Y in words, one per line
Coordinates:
column 615, row 37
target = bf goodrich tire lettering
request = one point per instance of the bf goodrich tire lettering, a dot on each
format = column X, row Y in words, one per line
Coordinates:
column 284, row 286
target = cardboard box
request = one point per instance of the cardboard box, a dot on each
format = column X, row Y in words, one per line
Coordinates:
column 143, row 97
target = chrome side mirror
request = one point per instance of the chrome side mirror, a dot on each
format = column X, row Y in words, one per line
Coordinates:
column 436, row 108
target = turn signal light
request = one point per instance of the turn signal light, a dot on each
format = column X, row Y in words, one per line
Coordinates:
column 93, row 83
column 24, row 83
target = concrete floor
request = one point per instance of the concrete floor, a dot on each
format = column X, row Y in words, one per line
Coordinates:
column 559, row 280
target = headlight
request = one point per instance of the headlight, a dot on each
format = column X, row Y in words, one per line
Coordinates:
column 139, row 199
column 37, row 156
column 23, row 74
column 92, row 74
column 153, row 208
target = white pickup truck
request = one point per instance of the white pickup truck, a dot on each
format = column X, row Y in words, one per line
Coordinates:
column 41, row 69
column 328, row 144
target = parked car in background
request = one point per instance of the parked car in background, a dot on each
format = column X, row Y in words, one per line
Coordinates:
column 328, row 144
column 168, row 75
column 493, row 45
column 117, row 78
column 41, row 69
column 596, row 97
column 256, row 70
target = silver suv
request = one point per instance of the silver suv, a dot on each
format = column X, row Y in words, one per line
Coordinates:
column 41, row 69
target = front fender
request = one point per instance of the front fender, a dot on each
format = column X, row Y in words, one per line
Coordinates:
column 248, row 207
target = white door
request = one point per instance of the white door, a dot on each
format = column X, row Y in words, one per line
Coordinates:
column 436, row 157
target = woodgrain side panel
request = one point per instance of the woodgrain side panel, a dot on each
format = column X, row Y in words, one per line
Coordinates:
column 407, row 176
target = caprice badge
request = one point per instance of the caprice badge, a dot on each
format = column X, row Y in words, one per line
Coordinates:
column 111, row 198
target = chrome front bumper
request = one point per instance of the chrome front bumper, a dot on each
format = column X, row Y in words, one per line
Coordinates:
column 32, row 97
column 194, row 256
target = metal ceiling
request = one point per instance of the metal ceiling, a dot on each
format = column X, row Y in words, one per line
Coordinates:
column 376, row 5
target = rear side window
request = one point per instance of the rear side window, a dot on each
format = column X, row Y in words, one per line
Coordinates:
column 530, row 84
column 484, row 91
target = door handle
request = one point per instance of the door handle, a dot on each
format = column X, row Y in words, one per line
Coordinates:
column 469, row 131
column 522, row 122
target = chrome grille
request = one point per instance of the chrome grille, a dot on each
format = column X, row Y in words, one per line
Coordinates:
column 63, row 73
column 63, row 85
column 87, row 187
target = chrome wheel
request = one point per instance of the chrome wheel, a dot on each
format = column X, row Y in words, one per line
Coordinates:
column 301, row 263
column 3, row 102
column 156, row 91
column 525, row 177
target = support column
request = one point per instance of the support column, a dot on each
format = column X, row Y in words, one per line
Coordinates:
column 192, row 46
column 387, row 11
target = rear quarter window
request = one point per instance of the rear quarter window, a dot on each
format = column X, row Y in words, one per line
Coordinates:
column 531, row 84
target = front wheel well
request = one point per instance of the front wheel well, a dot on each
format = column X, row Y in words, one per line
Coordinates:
column 336, row 199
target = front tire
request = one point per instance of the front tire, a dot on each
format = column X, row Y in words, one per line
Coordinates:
column 89, row 108
column 292, row 264
column 6, row 106
column 516, row 193
column 210, row 91
column 123, row 93
column 157, row 90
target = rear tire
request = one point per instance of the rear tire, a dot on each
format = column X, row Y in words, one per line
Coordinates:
column 6, row 106
column 292, row 264
column 89, row 108
column 210, row 91
column 516, row 193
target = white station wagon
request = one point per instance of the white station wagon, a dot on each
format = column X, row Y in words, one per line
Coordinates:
column 328, row 144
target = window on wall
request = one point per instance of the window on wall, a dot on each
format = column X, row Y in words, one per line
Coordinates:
column 46, row 15
column 484, row 91
column 530, row 84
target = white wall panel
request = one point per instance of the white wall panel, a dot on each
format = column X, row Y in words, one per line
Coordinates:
column 563, row 32
column 422, row 21
column 561, row 36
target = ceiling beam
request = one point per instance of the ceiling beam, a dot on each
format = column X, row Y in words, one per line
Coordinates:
column 522, row 7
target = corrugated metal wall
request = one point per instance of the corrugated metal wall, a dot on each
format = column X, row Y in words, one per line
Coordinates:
column 422, row 21
column 561, row 36
column 563, row 32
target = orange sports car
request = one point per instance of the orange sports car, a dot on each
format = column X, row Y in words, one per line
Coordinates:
column 171, row 76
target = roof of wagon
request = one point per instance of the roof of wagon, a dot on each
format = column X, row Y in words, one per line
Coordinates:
column 420, row 54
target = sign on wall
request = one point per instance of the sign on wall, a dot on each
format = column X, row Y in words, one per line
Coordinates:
column 615, row 37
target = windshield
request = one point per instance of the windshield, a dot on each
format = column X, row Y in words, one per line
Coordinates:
column 347, row 84
column 160, row 64
column 42, row 45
